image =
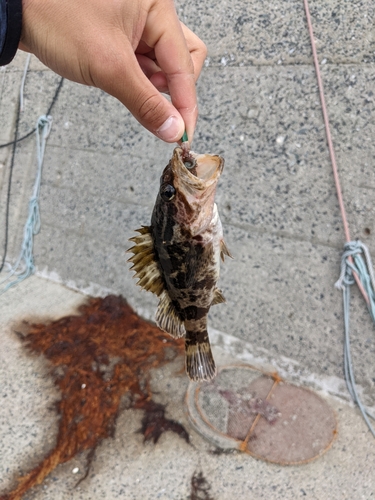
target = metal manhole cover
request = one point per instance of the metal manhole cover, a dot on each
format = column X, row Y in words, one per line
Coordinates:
column 262, row 415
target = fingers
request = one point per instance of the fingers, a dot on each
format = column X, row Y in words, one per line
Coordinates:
column 164, row 32
column 94, row 43
column 197, row 49
column 147, row 61
column 124, row 77
column 148, row 65
column 162, row 64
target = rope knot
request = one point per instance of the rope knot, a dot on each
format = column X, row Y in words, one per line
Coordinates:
column 351, row 249
column 356, row 260
column 44, row 125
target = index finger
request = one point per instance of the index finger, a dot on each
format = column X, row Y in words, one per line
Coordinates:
column 197, row 49
column 164, row 33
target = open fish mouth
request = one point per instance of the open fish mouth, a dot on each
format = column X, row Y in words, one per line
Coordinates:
column 208, row 166
column 200, row 170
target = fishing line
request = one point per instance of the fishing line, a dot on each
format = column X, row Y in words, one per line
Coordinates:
column 356, row 262
column 184, row 138
column 32, row 131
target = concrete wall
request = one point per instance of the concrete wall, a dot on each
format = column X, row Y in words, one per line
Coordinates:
column 260, row 109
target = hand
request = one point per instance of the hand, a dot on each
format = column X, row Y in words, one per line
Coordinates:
column 131, row 49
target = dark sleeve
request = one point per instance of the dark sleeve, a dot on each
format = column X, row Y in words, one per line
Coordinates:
column 10, row 29
column 3, row 23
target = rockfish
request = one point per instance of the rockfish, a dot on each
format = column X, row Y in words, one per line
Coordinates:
column 178, row 256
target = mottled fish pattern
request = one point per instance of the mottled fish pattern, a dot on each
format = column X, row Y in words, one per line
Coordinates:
column 178, row 256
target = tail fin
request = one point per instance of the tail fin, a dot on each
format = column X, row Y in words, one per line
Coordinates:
column 200, row 364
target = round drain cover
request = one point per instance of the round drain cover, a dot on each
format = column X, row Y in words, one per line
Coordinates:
column 246, row 409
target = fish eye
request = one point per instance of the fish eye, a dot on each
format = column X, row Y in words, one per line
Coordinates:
column 189, row 164
column 167, row 192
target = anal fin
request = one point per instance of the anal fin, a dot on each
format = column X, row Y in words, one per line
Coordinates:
column 167, row 317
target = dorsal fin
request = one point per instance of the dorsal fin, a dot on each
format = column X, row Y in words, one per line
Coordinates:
column 167, row 317
column 224, row 251
column 218, row 297
column 144, row 263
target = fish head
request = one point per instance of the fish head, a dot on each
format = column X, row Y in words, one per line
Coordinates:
column 187, row 189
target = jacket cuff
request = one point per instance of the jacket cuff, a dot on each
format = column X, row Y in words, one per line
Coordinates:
column 11, row 27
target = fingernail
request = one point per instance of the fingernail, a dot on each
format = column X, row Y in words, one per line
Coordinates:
column 170, row 131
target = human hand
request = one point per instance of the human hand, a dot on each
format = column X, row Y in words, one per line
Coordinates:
column 131, row 49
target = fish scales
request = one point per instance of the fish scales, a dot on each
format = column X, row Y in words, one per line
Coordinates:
column 178, row 256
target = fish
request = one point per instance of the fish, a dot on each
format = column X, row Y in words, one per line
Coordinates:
column 178, row 256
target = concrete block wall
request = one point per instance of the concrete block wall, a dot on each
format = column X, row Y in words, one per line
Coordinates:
column 260, row 109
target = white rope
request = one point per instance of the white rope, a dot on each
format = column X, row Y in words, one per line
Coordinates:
column 365, row 271
column 24, row 265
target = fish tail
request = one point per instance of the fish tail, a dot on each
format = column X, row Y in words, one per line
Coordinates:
column 200, row 364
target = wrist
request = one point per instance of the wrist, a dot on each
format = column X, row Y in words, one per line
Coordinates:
column 10, row 29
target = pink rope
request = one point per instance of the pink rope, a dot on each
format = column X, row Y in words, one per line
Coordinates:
column 330, row 143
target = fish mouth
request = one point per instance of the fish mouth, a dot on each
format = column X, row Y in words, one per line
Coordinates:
column 198, row 170
column 195, row 178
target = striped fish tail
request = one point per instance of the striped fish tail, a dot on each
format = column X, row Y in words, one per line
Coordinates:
column 200, row 364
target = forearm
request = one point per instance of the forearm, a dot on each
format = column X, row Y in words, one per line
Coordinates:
column 10, row 29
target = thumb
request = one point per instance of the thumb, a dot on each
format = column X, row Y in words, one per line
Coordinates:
column 125, row 80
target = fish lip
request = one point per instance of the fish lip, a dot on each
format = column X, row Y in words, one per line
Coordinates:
column 199, row 182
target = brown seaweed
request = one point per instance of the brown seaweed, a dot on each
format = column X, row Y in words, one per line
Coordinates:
column 200, row 487
column 96, row 359
column 155, row 423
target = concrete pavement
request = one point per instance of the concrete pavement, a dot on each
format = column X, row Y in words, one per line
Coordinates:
column 260, row 109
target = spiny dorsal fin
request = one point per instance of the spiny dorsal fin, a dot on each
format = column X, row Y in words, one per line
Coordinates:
column 167, row 318
column 144, row 264
column 218, row 297
column 224, row 251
